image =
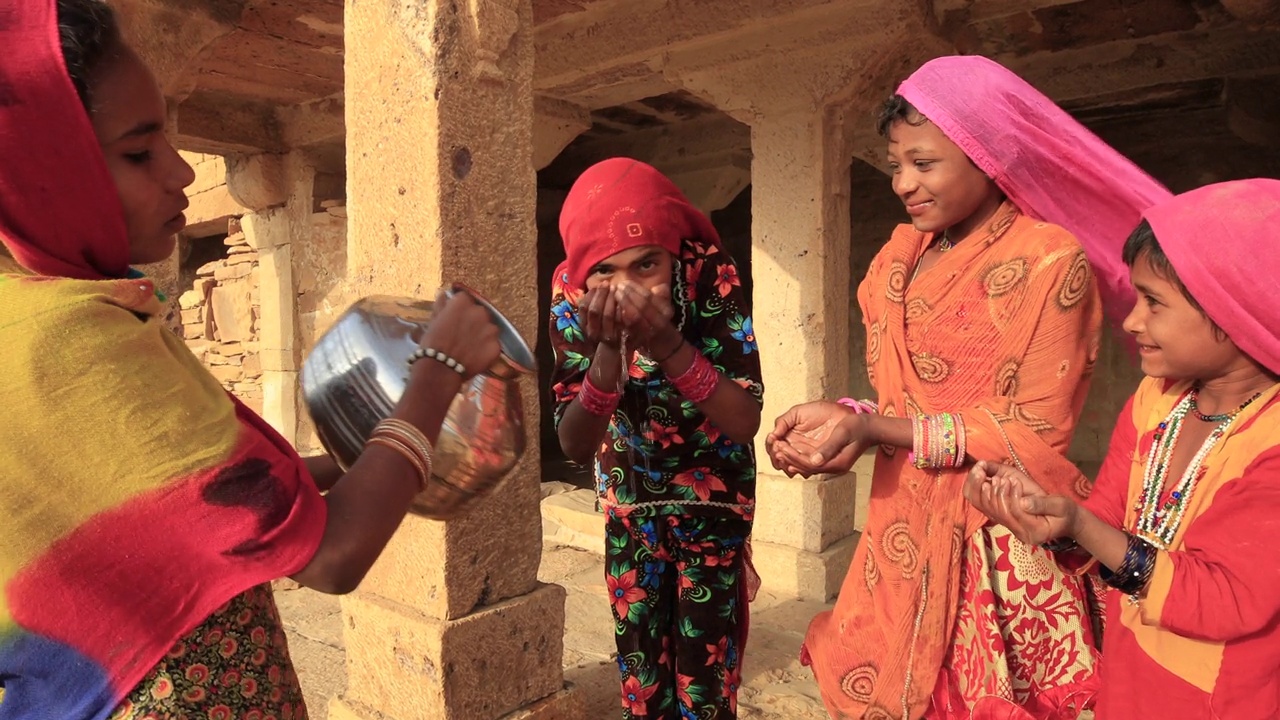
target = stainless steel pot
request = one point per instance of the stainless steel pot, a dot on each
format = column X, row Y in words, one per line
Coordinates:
column 358, row 371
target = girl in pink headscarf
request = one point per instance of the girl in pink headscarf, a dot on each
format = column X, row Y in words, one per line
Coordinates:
column 1184, row 519
column 983, row 319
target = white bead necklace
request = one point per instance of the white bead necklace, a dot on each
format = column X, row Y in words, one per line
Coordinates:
column 1158, row 522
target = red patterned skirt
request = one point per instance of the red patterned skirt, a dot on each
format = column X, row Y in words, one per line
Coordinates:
column 1025, row 645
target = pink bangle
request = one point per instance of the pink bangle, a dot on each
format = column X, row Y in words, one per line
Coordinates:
column 596, row 401
column 860, row 407
column 699, row 381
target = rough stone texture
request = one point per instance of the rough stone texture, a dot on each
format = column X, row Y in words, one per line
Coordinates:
column 571, row 519
column 211, row 204
column 796, row 573
column 257, row 181
column 564, row 705
column 484, row 665
column 276, row 233
column 436, row 188
column 439, row 182
column 810, row 514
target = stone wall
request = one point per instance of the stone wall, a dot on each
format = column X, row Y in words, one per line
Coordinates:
column 219, row 318
column 319, row 271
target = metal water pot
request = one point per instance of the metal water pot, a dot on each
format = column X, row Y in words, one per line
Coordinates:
column 358, row 371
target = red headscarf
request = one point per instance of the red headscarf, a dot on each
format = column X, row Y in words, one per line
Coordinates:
column 619, row 204
column 1217, row 237
column 59, row 213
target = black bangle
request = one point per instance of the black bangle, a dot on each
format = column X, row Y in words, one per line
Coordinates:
column 671, row 354
column 1135, row 571
column 1061, row 545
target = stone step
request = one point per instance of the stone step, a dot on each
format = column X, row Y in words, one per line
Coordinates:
column 571, row 519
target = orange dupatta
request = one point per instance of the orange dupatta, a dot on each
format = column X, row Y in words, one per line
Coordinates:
column 1004, row 330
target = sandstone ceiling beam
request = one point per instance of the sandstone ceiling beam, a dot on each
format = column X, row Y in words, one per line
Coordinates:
column 678, row 146
column 708, row 158
column 257, row 181
column 631, row 32
column 555, row 124
column 170, row 36
column 1125, row 66
column 319, row 122
column 976, row 10
column 1253, row 111
column 1263, row 11
column 224, row 126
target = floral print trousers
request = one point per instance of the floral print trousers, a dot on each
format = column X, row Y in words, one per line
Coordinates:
column 234, row 666
column 676, row 586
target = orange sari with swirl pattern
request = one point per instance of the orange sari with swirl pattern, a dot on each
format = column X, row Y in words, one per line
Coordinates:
column 941, row 616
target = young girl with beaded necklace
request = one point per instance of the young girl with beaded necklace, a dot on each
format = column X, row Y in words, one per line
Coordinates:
column 1184, row 519
column 658, row 380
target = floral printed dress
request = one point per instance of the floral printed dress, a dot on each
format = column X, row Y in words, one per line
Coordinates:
column 234, row 666
column 679, row 498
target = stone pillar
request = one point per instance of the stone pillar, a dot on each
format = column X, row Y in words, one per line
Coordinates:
column 803, row 534
column 451, row 623
column 278, row 189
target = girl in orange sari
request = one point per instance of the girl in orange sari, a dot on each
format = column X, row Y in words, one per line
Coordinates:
column 983, row 319
column 1184, row 517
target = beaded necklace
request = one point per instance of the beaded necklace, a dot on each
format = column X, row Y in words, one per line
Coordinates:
column 1158, row 522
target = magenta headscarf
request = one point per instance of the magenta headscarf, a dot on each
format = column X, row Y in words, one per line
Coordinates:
column 1216, row 238
column 1049, row 165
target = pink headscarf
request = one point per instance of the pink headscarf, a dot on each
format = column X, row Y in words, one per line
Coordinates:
column 1217, row 236
column 1049, row 165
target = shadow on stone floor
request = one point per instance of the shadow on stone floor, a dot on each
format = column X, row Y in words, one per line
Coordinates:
column 775, row 686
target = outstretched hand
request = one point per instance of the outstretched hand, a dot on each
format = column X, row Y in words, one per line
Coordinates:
column 816, row 438
column 1009, row 497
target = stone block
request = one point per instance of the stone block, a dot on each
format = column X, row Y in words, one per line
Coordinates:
column 568, row 704
column 226, row 373
column 485, row 555
column 490, row 663
column 806, row 513
column 252, row 366
column 232, row 312
column 280, row 402
column 225, row 272
column 276, row 360
column 791, row 572
column 210, row 174
column 210, row 206
column 193, row 316
column 571, row 519
column 191, row 299
column 277, row 298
